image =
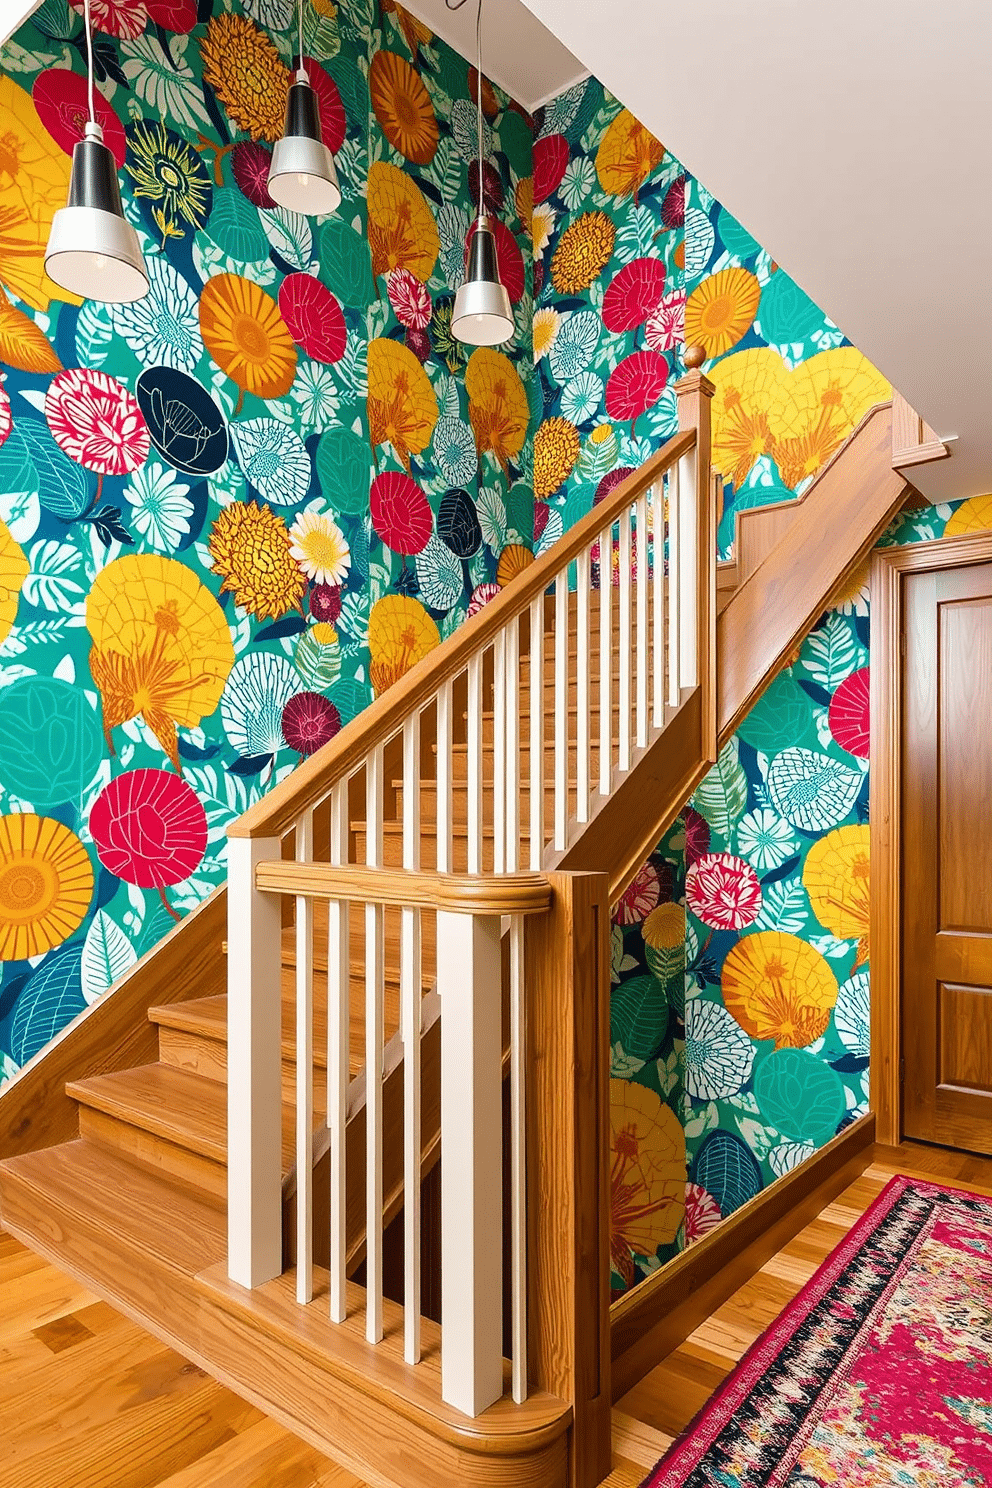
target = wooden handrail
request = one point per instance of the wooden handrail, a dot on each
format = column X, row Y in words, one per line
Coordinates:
column 455, row 893
column 277, row 813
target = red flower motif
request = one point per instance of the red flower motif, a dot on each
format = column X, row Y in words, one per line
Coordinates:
column 173, row 15
column 250, row 162
column 419, row 342
column 149, row 828
column 849, row 714
column 6, row 418
column 95, row 420
column 481, row 595
column 325, row 602
column 635, row 292
column 314, row 317
column 637, row 902
column 123, row 18
column 702, row 1212
column 635, row 386
column 409, row 299
column 309, row 720
column 697, row 835
column 60, row 98
column 401, row 513
column 333, row 122
column 541, row 514
column 509, row 259
column 550, row 164
column 665, row 326
column 723, row 891
column 673, row 207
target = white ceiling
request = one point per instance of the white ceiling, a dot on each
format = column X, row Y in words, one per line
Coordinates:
column 854, row 141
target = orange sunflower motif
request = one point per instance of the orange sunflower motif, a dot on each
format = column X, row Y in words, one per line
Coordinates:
column 779, row 987
column 34, row 180
column 403, row 107
column 246, row 72
column 245, row 333
column 497, row 406
column 513, row 560
column 402, row 406
column 46, row 884
column 626, row 156
column 402, row 230
column 14, row 569
column 721, row 309
column 401, row 633
column 647, row 1175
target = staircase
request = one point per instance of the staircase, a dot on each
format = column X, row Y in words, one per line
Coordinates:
column 385, row 1225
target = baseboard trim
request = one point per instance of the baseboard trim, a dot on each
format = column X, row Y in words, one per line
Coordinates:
column 652, row 1320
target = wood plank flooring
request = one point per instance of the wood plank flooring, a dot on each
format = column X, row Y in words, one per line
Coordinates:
column 87, row 1399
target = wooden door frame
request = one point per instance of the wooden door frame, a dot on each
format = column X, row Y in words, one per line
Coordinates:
column 889, row 567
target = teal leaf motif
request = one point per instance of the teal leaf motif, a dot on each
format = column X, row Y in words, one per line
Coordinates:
column 53, row 996
column 345, row 263
column 831, row 653
column 63, row 486
column 722, row 796
column 727, row 1168
column 800, row 1097
column 107, row 954
column 234, row 226
column 639, row 1016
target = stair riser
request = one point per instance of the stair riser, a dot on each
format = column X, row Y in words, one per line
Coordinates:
column 199, row 1055
column 154, row 1152
column 459, row 804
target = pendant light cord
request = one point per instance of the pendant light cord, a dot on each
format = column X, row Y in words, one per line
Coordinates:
column 301, row 72
column 87, row 22
column 478, row 94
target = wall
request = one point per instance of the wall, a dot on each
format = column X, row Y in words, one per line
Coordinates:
column 198, row 588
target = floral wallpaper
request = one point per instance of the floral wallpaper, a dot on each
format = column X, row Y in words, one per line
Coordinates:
column 231, row 512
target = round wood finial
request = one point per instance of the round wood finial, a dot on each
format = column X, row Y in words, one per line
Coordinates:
column 694, row 357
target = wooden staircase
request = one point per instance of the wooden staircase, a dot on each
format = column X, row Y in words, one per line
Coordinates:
column 124, row 1182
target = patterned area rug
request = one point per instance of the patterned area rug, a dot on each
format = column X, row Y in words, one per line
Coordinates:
column 879, row 1373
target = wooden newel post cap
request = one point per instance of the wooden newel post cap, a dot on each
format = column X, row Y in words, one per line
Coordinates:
column 694, row 357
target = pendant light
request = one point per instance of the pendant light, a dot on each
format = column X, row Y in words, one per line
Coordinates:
column 302, row 177
column 93, row 250
column 482, row 314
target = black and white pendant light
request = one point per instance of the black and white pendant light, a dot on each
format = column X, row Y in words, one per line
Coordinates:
column 482, row 315
column 93, row 250
column 302, row 177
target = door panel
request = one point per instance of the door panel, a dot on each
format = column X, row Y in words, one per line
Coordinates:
column 947, row 857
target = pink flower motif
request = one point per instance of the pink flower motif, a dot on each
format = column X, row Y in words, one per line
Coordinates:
column 409, row 299
column 849, row 714
column 123, row 18
column 697, row 835
column 723, row 891
column 250, row 163
column 149, row 828
column 481, row 596
column 96, row 422
column 325, row 602
column 6, row 418
column 309, row 720
column 314, row 317
column 665, row 326
column 702, row 1213
column 637, row 902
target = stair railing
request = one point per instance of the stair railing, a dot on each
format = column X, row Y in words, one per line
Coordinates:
column 631, row 595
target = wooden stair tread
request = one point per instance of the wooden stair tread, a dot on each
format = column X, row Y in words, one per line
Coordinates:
column 182, row 1108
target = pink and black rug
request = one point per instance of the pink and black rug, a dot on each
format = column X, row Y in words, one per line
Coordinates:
column 877, row 1375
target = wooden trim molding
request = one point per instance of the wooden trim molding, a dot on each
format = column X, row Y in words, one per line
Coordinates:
column 913, row 440
column 455, row 893
column 888, row 568
column 653, row 1319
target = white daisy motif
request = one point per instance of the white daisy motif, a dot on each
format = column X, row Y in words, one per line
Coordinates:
column 320, row 548
column 161, row 510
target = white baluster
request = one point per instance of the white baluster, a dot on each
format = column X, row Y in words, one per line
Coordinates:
column 444, row 737
column 469, row 981
column 674, row 588
column 561, row 711
column 338, row 1056
column 512, row 746
column 606, row 661
column 583, row 583
column 254, row 1050
column 304, row 1072
column 688, row 572
column 375, row 955
column 626, row 635
column 537, row 733
column 473, row 772
column 643, row 666
column 658, row 600
column 410, row 1004
column 499, row 753
column 518, row 1161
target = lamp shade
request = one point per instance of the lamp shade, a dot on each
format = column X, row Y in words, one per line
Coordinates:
column 93, row 250
column 482, row 315
column 302, row 177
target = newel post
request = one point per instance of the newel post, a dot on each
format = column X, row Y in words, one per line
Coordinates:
column 698, row 539
column 254, row 1066
column 567, row 976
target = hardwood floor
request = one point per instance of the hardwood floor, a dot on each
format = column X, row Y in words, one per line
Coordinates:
column 90, row 1400
column 87, row 1399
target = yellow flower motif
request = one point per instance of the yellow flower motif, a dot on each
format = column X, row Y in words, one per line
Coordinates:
column 497, row 404
column 556, row 449
column 14, row 570
column 547, row 323
column 246, row 72
column 523, row 198
column 778, row 987
column 512, row 561
column 721, row 309
column 249, row 545
column 664, row 928
column 324, row 633
column 584, row 250
column 601, row 434
column 247, row 337
column 403, row 107
column 627, row 155
column 162, row 649
column 647, row 1174
column 34, row 182
column 402, row 231
column 837, row 879
column 974, row 515
column 542, row 225
column 401, row 633
column 402, row 404
column 46, row 884
column 320, row 549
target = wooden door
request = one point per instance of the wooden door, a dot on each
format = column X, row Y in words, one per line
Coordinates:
column 947, row 857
